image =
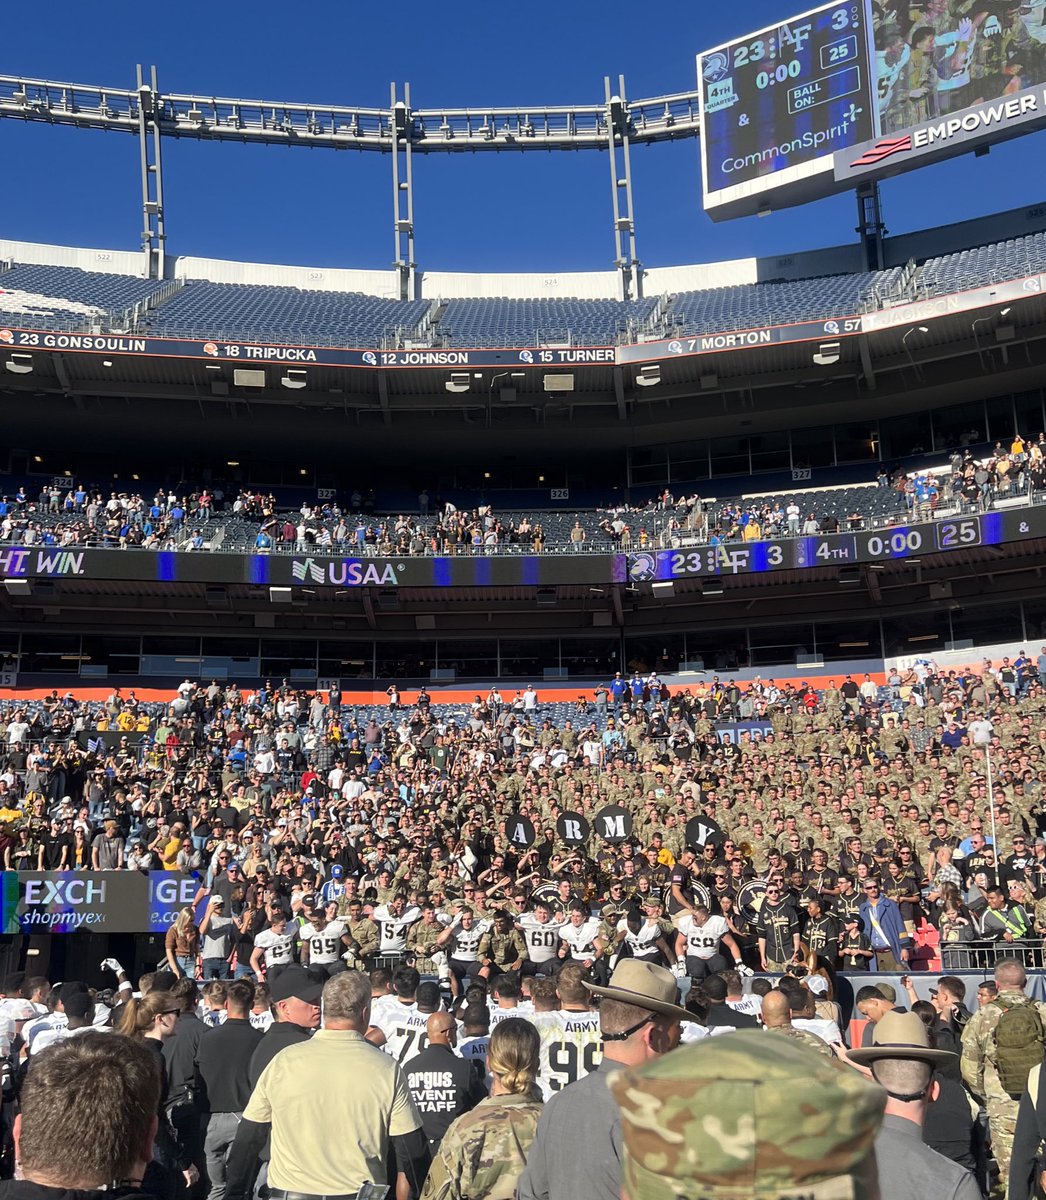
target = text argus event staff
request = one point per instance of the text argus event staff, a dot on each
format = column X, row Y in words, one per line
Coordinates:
column 335, row 1081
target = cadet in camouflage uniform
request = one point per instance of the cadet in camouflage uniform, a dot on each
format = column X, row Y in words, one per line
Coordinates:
column 502, row 948
column 777, row 1018
column 978, row 1060
column 363, row 934
column 421, row 939
column 747, row 1116
column 483, row 1153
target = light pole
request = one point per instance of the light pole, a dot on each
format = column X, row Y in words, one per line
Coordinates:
column 991, row 799
column 904, row 343
column 976, row 339
column 984, row 740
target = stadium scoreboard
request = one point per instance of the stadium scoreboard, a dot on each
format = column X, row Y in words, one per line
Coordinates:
column 777, row 104
column 868, row 547
column 854, row 92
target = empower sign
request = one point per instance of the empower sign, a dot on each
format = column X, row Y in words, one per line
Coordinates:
column 942, row 137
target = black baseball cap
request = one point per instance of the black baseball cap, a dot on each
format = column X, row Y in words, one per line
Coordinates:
column 301, row 983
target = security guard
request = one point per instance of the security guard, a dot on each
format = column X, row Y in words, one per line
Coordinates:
column 339, row 1081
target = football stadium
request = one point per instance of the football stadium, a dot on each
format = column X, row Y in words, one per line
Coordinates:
column 676, row 632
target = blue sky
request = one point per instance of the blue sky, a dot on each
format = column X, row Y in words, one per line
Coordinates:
column 496, row 213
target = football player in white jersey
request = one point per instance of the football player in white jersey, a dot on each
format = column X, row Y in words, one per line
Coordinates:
column 646, row 937
column 579, row 937
column 382, row 994
column 393, row 920
column 323, row 942
column 474, row 1036
column 571, row 1042
column 274, row 946
column 260, row 1015
column 698, row 941
column 399, row 1028
column 506, row 999
column 461, row 940
column 541, row 935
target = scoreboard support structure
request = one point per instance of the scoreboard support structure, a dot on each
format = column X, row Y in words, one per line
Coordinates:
column 629, row 268
column 403, row 193
column 154, row 236
column 871, row 228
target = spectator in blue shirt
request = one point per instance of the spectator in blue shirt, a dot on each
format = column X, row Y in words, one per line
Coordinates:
column 953, row 736
column 882, row 922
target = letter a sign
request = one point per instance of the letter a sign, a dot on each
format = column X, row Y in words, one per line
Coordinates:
column 614, row 823
column 520, row 831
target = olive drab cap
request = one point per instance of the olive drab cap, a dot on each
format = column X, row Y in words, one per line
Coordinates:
column 748, row 1117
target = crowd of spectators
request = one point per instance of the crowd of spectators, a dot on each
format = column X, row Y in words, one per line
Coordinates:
column 296, row 783
column 328, row 838
column 206, row 518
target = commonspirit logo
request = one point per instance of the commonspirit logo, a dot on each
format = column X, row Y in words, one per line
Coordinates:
column 811, row 139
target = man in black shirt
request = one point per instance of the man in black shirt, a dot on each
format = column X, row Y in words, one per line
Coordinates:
column 1016, row 866
column 295, row 993
column 853, row 855
column 224, row 1059
column 720, row 1015
column 185, row 1099
column 88, row 1116
column 58, row 846
column 822, row 878
column 822, row 933
column 778, row 927
column 680, row 885
column 443, row 1085
column 847, row 902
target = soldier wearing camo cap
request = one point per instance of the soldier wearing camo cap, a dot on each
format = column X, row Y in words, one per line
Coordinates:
column 748, row 1117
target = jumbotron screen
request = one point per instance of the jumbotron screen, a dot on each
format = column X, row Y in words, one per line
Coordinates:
column 864, row 89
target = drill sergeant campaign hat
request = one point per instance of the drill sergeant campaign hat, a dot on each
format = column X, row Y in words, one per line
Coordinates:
column 643, row 985
column 747, row 1117
column 901, row 1035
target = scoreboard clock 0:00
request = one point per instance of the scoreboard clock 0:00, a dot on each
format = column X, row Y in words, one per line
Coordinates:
column 780, row 100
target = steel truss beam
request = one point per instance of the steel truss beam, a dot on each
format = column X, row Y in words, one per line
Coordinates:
column 276, row 122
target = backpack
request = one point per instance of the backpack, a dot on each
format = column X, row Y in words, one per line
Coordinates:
column 1020, row 1044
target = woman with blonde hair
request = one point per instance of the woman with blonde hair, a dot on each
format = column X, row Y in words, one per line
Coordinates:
column 153, row 1019
column 182, row 944
column 483, row 1153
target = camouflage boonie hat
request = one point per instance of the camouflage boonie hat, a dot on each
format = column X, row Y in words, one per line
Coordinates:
column 748, row 1117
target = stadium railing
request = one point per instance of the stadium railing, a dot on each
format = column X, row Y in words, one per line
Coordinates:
column 982, row 956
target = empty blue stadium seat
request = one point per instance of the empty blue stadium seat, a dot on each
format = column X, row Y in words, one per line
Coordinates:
column 67, row 297
column 983, row 264
column 244, row 312
column 60, row 297
column 748, row 306
column 506, row 322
